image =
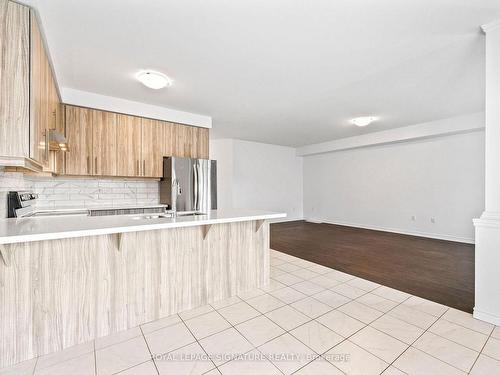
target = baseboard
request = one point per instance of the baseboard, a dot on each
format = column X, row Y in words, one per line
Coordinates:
column 395, row 230
column 487, row 317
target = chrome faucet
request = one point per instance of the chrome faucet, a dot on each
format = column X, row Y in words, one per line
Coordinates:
column 176, row 191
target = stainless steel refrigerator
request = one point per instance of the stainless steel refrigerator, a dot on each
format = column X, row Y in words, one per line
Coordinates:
column 189, row 185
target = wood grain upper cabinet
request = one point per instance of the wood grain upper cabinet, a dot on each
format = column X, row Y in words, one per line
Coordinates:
column 202, row 137
column 129, row 146
column 14, row 79
column 104, row 141
column 190, row 142
column 156, row 143
column 79, row 136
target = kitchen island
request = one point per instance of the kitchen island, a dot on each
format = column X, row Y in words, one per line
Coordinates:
column 66, row 280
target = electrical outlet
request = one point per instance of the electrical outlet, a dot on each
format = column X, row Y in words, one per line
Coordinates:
column 433, row 220
column 413, row 218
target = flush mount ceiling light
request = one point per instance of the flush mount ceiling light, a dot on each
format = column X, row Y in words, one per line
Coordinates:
column 363, row 121
column 153, row 80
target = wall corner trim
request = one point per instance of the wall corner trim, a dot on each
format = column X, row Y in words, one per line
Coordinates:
column 450, row 126
column 490, row 26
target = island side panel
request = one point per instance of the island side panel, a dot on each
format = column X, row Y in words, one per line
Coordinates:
column 60, row 293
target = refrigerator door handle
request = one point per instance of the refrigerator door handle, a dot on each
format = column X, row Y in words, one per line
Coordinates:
column 195, row 187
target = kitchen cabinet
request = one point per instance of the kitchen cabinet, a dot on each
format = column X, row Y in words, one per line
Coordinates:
column 14, row 82
column 79, row 136
column 129, row 150
column 29, row 99
column 156, row 143
column 104, row 143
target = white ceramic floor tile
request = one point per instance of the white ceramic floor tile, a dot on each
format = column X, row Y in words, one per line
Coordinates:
column 208, row 324
column 265, row 303
column 251, row 294
column 399, row 329
column 340, row 323
column 361, row 312
column 348, row 291
column 238, row 313
column 121, row 356
column 339, row 276
column 377, row 302
column 319, row 366
column 287, row 353
column 305, row 273
column 325, row 282
column 116, row 338
column 425, row 306
column 317, row 336
column 82, row 365
column 415, row 317
column 189, row 314
column 360, row 283
column 459, row 334
column 447, row 351
column 146, row 368
column 287, row 317
column 311, row 307
column 251, row 363
column 288, row 267
column 392, row 294
column 318, row 268
column 492, row 348
column 225, row 346
column 225, row 302
column 355, row 360
column 288, row 295
column 416, row 362
column 259, row 330
column 169, row 338
column 288, row 279
column 466, row 320
column 272, row 285
column 275, row 272
column 23, row 368
column 308, row 287
column 160, row 323
column 496, row 333
column 486, row 366
column 64, row 355
column 188, row 360
column 379, row 344
column 393, row 371
column 331, row 298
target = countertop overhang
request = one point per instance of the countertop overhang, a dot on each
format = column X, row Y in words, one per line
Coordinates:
column 56, row 227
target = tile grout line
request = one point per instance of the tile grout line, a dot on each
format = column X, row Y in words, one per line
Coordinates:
column 481, row 352
column 149, row 350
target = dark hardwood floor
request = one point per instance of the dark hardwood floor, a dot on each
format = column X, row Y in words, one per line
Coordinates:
column 441, row 271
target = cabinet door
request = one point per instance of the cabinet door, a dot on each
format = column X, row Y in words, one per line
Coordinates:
column 156, row 138
column 14, row 79
column 129, row 159
column 104, row 133
column 79, row 136
column 202, row 143
column 183, row 136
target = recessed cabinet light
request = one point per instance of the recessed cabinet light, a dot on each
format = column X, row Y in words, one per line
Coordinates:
column 363, row 121
column 154, row 80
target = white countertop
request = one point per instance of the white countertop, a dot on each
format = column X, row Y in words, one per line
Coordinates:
column 55, row 227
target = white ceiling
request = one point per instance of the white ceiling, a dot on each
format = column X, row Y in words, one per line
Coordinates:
column 279, row 71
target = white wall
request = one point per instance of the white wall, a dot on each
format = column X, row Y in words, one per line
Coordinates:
column 259, row 176
column 382, row 187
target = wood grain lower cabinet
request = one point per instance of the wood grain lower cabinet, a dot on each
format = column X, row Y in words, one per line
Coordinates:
column 14, row 79
column 129, row 148
column 104, row 143
column 79, row 136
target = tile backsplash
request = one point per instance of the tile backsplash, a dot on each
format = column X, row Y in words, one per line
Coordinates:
column 60, row 192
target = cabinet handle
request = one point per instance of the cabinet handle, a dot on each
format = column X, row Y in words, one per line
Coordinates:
column 95, row 167
column 144, row 167
column 46, row 158
column 137, row 170
column 88, row 164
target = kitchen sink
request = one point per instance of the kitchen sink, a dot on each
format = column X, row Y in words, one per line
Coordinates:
column 152, row 216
